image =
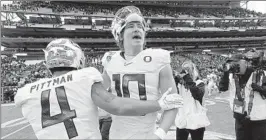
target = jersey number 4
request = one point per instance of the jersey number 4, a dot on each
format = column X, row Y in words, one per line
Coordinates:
column 65, row 116
column 140, row 78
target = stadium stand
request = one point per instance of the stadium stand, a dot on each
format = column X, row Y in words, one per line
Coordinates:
column 179, row 26
column 148, row 9
column 166, row 10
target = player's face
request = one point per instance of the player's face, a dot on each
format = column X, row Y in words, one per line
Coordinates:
column 134, row 34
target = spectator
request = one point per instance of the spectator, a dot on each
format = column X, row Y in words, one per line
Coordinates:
column 192, row 118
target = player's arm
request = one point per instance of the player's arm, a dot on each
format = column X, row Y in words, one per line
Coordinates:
column 261, row 89
column 105, row 76
column 168, row 117
column 117, row 105
column 197, row 91
column 121, row 106
column 106, row 80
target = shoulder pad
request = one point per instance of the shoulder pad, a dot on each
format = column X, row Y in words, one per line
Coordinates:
column 23, row 94
column 107, row 57
column 159, row 56
column 90, row 73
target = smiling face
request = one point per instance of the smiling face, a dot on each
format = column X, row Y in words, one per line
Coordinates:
column 134, row 35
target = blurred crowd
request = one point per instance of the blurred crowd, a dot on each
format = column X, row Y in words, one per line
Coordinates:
column 15, row 73
column 206, row 63
column 94, row 8
column 147, row 10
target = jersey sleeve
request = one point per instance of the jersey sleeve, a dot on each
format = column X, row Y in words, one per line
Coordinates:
column 162, row 58
column 107, row 58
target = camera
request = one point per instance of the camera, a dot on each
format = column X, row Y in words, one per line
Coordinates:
column 239, row 63
column 238, row 67
column 236, row 64
column 257, row 59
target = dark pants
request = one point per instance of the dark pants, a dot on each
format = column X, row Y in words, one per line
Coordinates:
column 250, row 130
column 105, row 125
column 182, row 134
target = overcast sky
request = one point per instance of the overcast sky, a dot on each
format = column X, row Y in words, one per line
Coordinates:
column 258, row 6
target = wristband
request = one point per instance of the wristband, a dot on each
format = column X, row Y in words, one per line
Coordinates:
column 160, row 133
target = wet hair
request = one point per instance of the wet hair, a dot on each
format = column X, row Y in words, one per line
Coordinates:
column 53, row 70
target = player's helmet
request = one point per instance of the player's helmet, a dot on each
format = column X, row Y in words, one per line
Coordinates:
column 64, row 53
column 123, row 16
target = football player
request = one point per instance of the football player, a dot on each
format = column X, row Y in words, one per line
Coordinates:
column 65, row 106
column 136, row 73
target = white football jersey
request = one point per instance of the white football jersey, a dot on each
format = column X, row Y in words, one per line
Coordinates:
column 61, row 107
column 137, row 79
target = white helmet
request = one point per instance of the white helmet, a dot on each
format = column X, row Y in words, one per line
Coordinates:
column 123, row 16
column 64, row 53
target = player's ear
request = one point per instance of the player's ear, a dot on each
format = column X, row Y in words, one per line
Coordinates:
column 121, row 40
column 145, row 41
column 120, row 37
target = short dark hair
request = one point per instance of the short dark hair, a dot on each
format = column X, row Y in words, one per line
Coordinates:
column 53, row 70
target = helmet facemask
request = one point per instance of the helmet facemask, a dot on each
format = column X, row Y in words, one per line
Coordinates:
column 64, row 53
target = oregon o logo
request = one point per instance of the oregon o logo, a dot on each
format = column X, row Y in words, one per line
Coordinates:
column 147, row 59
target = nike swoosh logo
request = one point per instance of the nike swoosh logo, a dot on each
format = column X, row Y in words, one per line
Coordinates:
column 128, row 63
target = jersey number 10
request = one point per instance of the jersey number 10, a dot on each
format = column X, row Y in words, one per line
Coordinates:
column 65, row 116
column 140, row 78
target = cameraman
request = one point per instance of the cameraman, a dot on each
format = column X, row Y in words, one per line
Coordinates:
column 246, row 83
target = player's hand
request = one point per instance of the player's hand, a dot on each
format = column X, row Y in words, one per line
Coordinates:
column 183, row 73
column 170, row 100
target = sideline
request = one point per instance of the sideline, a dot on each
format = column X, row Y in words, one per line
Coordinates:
column 9, row 104
column 14, row 122
column 12, row 133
